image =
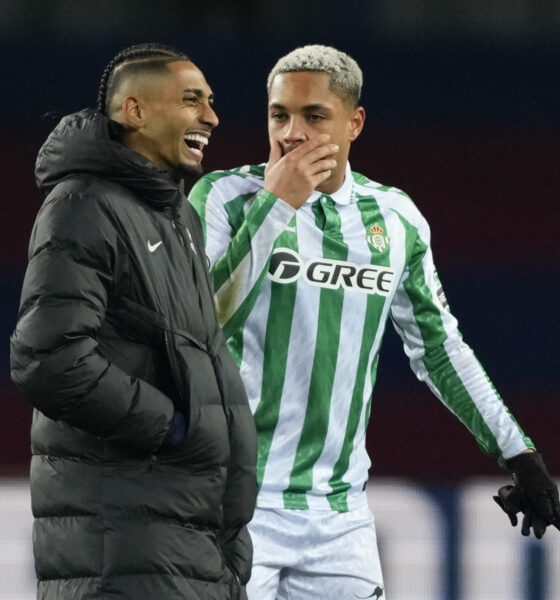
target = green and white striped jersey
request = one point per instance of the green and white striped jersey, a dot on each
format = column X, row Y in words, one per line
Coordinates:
column 303, row 297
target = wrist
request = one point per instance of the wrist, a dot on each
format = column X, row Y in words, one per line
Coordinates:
column 524, row 459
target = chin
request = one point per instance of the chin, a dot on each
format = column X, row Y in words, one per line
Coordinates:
column 190, row 170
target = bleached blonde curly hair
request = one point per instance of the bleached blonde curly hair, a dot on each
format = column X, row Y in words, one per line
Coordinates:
column 346, row 76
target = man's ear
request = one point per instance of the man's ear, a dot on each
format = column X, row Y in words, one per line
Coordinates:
column 133, row 111
column 356, row 123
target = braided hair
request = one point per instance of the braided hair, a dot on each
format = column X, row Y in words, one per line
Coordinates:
column 141, row 58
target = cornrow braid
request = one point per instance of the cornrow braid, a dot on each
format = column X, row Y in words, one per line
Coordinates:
column 146, row 54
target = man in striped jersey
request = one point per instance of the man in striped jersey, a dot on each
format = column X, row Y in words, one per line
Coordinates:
column 309, row 260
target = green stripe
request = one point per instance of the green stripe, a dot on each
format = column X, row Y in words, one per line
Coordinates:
column 240, row 246
column 242, row 313
column 316, row 421
column 359, row 178
column 338, row 498
column 373, row 376
column 235, row 210
column 363, row 180
column 276, row 343
column 257, row 170
column 235, row 345
column 198, row 197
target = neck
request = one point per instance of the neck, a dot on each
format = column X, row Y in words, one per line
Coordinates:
column 334, row 182
column 131, row 140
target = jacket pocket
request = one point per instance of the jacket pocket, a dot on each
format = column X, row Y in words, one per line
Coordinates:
column 207, row 436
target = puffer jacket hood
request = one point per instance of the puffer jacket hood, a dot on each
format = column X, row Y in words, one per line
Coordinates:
column 87, row 143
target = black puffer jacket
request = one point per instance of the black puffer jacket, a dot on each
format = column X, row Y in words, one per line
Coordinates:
column 116, row 331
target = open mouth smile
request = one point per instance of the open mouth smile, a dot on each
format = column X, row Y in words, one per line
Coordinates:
column 196, row 142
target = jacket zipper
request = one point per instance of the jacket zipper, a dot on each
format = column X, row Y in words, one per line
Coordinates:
column 174, row 225
column 172, row 212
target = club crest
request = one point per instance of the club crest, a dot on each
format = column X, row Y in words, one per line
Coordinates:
column 377, row 239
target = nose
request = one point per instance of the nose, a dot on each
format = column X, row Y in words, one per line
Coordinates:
column 209, row 116
column 294, row 133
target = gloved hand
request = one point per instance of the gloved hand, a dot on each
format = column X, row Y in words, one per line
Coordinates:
column 534, row 494
column 176, row 432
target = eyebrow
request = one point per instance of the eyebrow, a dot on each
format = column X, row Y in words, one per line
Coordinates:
column 198, row 93
column 307, row 108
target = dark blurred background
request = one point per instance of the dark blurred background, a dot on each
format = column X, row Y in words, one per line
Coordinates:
column 463, row 113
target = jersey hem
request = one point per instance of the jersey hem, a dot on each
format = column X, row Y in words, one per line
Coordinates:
column 307, row 502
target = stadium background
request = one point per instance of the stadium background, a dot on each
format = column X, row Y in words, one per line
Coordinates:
column 463, row 113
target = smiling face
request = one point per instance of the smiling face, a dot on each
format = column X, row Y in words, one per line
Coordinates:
column 301, row 107
column 169, row 118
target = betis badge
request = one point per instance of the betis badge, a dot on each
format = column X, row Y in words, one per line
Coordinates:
column 376, row 238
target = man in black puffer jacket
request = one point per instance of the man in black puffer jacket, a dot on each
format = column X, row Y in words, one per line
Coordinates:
column 144, row 449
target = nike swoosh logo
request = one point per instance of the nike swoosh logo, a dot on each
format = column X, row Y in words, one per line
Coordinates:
column 154, row 247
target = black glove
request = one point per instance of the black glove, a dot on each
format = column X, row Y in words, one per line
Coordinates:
column 176, row 432
column 534, row 494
